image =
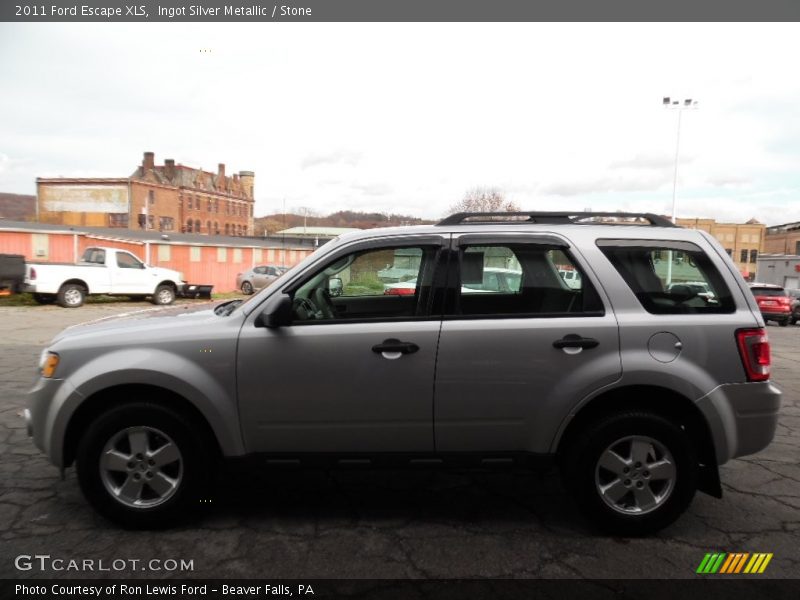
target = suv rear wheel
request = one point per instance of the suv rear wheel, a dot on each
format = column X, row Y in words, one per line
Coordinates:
column 632, row 473
column 142, row 465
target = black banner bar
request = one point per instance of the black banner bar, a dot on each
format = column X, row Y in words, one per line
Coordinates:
column 707, row 588
column 398, row 10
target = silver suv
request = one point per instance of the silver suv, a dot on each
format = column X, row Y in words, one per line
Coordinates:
column 636, row 386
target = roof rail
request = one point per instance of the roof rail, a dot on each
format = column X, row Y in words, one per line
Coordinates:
column 557, row 218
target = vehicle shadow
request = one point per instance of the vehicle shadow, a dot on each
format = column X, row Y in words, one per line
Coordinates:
column 516, row 497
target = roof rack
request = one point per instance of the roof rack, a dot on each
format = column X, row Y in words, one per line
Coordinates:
column 557, row 218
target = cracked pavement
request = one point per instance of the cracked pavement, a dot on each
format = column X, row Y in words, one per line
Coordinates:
column 386, row 524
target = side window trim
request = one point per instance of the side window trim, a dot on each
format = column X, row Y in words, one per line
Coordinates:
column 438, row 243
column 641, row 278
column 451, row 309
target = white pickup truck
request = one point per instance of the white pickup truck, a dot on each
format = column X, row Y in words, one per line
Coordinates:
column 101, row 271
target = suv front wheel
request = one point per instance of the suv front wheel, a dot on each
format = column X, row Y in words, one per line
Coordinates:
column 141, row 465
column 632, row 473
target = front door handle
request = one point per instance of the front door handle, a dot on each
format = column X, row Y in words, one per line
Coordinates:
column 575, row 341
column 393, row 348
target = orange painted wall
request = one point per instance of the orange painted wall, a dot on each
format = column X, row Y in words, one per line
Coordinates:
column 208, row 270
column 12, row 242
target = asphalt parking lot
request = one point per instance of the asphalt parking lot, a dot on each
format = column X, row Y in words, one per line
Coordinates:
column 364, row 524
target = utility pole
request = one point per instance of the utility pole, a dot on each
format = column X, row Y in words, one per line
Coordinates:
column 679, row 106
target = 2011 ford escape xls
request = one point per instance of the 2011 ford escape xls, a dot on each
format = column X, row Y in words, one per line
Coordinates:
column 636, row 384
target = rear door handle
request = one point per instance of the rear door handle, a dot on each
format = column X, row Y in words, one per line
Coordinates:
column 575, row 341
column 393, row 348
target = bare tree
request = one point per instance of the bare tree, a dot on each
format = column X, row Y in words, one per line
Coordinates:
column 484, row 199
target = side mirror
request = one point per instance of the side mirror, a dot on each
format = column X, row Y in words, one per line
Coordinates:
column 279, row 316
column 335, row 286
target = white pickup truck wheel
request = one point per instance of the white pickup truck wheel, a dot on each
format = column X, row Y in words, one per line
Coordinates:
column 164, row 294
column 71, row 295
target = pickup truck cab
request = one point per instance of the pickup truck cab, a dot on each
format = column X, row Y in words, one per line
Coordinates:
column 101, row 271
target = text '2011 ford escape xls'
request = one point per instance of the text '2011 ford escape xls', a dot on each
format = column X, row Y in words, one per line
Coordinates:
column 638, row 385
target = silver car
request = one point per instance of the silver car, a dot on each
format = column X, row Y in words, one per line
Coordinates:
column 257, row 278
column 636, row 391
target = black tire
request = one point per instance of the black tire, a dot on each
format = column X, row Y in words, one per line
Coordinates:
column 44, row 298
column 71, row 295
column 247, row 288
column 783, row 322
column 164, row 294
column 192, row 471
column 584, row 476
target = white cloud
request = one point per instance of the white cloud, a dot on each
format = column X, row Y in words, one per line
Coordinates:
column 355, row 117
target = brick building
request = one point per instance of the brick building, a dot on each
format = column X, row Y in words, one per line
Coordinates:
column 783, row 239
column 742, row 241
column 167, row 198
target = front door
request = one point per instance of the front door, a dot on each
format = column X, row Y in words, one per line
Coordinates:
column 131, row 276
column 353, row 372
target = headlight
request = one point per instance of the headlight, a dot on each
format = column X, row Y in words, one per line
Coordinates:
column 48, row 363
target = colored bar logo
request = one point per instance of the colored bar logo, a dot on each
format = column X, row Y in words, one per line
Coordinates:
column 734, row 563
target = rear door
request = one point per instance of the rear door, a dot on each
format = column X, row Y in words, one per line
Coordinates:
column 512, row 362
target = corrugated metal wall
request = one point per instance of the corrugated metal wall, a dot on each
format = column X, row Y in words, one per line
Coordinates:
column 212, row 265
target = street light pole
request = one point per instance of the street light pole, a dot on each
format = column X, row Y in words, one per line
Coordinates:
column 680, row 106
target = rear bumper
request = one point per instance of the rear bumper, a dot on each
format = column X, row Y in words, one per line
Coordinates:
column 776, row 315
column 742, row 417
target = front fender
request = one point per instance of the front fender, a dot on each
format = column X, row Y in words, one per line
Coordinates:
column 207, row 390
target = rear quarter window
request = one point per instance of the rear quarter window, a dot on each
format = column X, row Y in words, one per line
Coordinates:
column 669, row 277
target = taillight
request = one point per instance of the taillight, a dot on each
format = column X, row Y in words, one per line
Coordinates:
column 785, row 300
column 399, row 291
column 33, row 273
column 754, row 350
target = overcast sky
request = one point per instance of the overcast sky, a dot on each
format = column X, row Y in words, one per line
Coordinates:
column 404, row 118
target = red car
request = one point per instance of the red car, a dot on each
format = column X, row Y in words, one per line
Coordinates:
column 774, row 302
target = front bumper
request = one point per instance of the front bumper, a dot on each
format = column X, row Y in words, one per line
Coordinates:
column 26, row 414
column 45, row 419
column 743, row 417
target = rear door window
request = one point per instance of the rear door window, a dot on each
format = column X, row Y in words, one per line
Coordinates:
column 669, row 277
column 521, row 279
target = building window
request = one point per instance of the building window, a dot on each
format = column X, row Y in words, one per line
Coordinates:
column 118, row 219
column 166, row 223
column 797, row 247
column 151, row 197
column 189, row 203
column 195, row 252
column 164, row 252
column 753, row 256
column 227, row 229
column 222, row 255
column 208, row 227
column 743, row 256
column 197, row 225
column 237, row 255
column 189, row 226
column 216, row 227
column 729, row 251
